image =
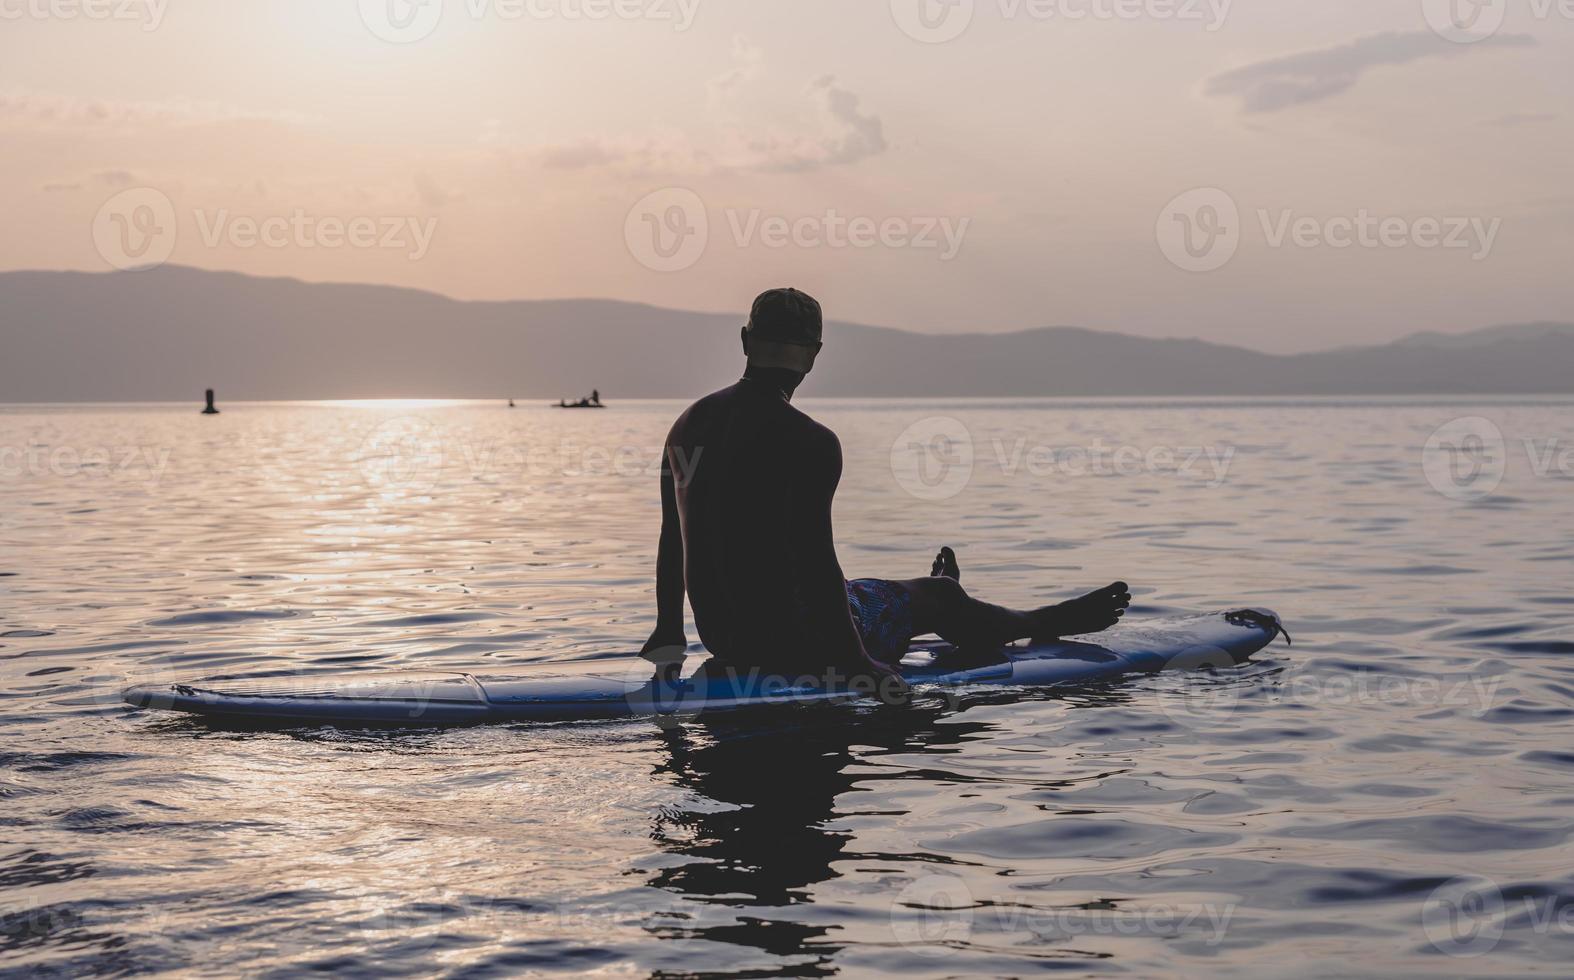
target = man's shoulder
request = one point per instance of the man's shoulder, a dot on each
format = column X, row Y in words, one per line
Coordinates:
column 699, row 409
column 787, row 420
column 817, row 435
column 802, row 429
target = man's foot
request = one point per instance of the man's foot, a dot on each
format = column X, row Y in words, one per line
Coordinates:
column 1098, row 610
column 945, row 566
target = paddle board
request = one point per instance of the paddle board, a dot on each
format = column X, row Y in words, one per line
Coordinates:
column 629, row 687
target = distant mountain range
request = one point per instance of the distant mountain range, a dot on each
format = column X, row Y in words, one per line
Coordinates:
column 167, row 333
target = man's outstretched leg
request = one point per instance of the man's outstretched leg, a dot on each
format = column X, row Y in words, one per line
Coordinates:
column 940, row 605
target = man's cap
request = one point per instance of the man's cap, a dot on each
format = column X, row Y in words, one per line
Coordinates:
column 786, row 316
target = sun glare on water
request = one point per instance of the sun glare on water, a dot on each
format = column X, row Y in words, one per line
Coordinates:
column 391, row 404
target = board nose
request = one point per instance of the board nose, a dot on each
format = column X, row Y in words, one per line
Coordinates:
column 140, row 695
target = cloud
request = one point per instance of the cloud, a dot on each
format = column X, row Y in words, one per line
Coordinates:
column 850, row 136
column 846, row 134
column 432, row 194
column 1521, row 119
column 1311, row 76
column 43, row 110
column 582, row 154
column 109, row 178
column 857, row 135
column 747, row 61
column 665, row 154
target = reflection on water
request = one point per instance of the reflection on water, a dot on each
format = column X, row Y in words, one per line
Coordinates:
column 1392, row 790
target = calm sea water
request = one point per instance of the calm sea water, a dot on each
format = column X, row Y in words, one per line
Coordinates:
column 1391, row 795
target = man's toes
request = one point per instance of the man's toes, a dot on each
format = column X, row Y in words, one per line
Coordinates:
column 945, row 565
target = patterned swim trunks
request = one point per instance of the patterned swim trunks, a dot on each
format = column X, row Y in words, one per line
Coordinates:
column 884, row 614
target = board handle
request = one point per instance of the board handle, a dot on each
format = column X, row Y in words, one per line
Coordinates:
column 1263, row 619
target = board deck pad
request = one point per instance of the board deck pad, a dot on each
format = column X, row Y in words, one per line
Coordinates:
column 628, row 687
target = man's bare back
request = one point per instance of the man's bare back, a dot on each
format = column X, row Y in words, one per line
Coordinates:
column 747, row 485
column 755, row 511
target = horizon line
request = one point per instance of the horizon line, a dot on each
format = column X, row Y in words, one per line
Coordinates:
column 1006, row 332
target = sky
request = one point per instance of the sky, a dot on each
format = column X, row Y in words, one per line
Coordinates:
column 1284, row 175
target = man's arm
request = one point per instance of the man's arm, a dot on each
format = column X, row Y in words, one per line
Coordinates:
column 824, row 588
column 668, row 642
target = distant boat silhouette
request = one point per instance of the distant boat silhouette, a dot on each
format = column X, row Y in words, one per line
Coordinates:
column 594, row 401
column 210, row 410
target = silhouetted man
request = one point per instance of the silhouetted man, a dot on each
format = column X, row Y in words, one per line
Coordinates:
column 746, row 529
